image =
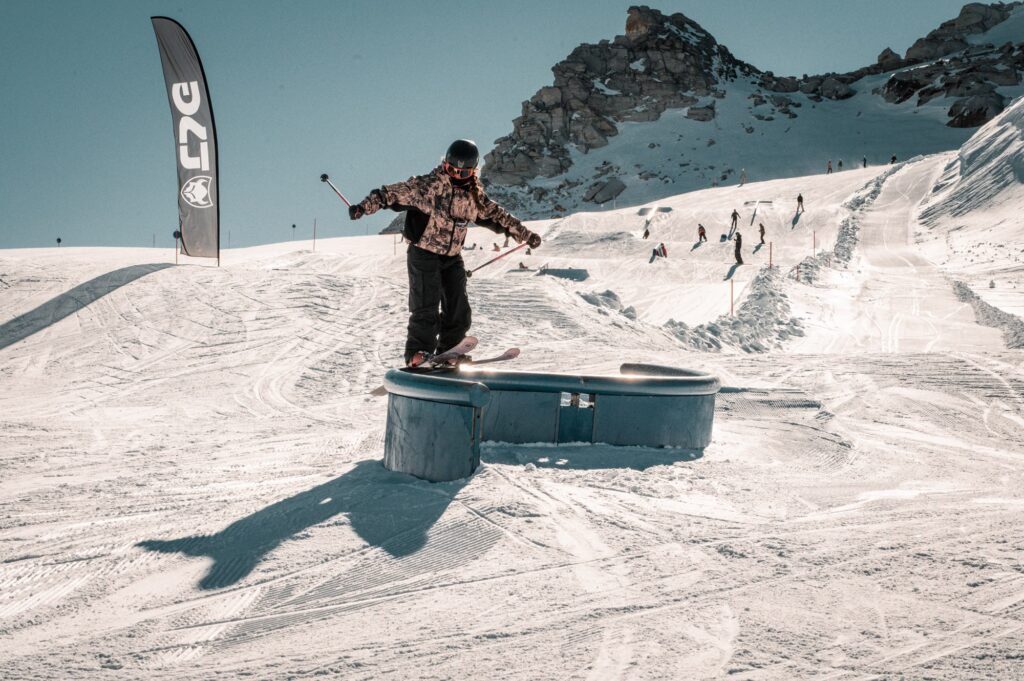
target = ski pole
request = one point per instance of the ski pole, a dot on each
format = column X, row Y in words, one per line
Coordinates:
column 324, row 178
column 469, row 273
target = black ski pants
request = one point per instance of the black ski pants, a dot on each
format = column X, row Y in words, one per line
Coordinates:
column 436, row 281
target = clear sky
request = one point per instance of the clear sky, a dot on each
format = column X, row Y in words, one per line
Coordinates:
column 370, row 92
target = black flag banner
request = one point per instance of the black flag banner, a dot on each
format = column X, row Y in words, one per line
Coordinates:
column 194, row 137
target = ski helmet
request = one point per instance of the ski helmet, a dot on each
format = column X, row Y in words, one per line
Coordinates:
column 462, row 154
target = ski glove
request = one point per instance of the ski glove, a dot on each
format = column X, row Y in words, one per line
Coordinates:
column 533, row 240
column 356, row 211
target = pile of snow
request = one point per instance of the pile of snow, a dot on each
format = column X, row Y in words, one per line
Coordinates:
column 1011, row 325
column 763, row 321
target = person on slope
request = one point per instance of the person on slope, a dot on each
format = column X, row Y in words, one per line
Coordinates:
column 840, row 165
column 440, row 205
column 739, row 245
column 799, row 203
column 702, row 234
column 864, row 162
column 735, row 217
column 760, row 228
column 828, row 168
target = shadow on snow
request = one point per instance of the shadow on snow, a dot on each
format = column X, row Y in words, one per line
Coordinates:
column 388, row 510
column 70, row 302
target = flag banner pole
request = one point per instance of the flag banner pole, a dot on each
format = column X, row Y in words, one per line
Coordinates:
column 195, row 140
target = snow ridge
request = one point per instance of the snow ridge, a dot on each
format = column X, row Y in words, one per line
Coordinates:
column 849, row 229
column 763, row 322
column 1012, row 326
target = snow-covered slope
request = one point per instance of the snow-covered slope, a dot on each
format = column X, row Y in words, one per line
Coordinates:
column 190, row 478
column 972, row 223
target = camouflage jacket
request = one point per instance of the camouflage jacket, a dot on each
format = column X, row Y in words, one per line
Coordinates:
column 439, row 212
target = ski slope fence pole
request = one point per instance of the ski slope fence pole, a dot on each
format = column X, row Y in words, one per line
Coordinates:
column 469, row 273
column 314, row 235
column 731, row 297
column 769, row 255
column 814, row 241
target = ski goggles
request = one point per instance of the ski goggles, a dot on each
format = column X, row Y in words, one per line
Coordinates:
column 459, row 173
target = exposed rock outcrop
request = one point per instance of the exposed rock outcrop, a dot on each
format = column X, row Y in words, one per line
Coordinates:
column 661, row 62
column 667, row 62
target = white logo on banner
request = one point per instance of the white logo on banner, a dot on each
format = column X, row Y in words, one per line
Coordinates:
column 186, row 100
column 197, row 191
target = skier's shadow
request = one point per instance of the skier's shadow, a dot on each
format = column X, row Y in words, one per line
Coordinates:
column 695, row 246
column 757, row 248
column 796, row 219
column 732, row 271
column 70, row 302
column 388, row 510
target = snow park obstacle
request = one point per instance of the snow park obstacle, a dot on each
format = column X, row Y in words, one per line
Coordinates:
column 436, row 423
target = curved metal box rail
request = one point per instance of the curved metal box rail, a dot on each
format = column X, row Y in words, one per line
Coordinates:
column 642, row 379
column 470, row 393
column 436, row 422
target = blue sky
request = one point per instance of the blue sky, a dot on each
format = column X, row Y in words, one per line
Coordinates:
column 369, row 92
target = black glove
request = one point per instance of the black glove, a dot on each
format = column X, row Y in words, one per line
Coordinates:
column 356, row 211
column 533, row 240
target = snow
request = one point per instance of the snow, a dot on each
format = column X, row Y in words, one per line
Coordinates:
column 604, row 89
column 190, row 478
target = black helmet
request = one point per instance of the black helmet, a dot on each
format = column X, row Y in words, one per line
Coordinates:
column 462, row 154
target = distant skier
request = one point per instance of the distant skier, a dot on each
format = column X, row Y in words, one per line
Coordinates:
column 647, row 232
column 864, row 162
column 799, row 203
column 735, row 218
column 839, row 166
column 659, row 252
column 743, row 176
column 739, row 245
column 760, row 228
column 828, row 168
column 702, row 234
column 439, row 207
column 892, row 160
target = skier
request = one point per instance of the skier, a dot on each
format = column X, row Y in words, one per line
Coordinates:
column 496, row 248
column 735, row 217
column 760, row 227
column 702, row 234
column 739, row 245
column 743, row 176
column 439, row 207
column 892, row 160
column 799, row 203
column 840, row 165
column 864, row 162
column 828, row 168
column 647, row 232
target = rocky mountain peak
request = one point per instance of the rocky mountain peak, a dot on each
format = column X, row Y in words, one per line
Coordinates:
column 661, row 62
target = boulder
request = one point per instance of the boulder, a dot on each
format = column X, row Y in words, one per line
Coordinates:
column 970, row 112
column 888, row 59
column 605, row 191
column 833, row 88
column 701, row 113
column 548, row 97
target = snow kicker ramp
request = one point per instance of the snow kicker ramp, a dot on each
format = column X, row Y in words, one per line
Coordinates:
column 435, row 423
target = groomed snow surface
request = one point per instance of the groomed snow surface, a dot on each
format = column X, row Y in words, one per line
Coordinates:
column 191, row 487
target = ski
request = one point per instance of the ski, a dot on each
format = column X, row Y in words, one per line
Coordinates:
column 511, row 353
column 461, row 360
column 462, row 348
